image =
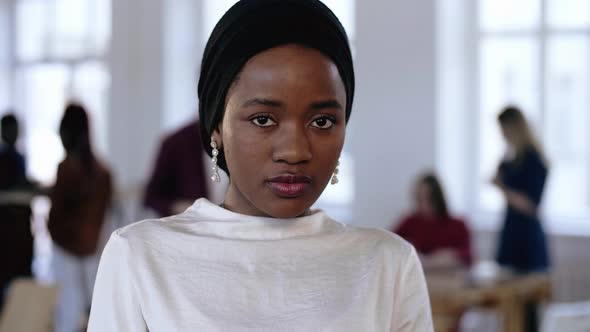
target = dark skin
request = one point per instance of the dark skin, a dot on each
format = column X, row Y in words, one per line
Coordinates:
column 285, row 115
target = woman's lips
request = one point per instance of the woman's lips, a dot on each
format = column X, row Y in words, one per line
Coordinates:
column 289, row 186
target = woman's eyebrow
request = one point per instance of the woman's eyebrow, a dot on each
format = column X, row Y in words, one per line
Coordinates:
column 331, row 103
column 263, row 102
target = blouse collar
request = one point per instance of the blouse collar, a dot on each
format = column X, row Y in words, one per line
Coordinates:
column 216, row 221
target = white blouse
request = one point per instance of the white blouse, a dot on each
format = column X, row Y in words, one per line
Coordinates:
column 209, row 269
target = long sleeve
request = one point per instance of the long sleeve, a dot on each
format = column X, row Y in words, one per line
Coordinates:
column 527, row 176
column 115, row 303
column 412, row 311
column 536, row 174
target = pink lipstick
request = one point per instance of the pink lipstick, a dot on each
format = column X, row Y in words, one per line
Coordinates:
column 289, row 185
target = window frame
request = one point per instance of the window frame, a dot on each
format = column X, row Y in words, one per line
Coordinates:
column 70, row 63
column 489, row 219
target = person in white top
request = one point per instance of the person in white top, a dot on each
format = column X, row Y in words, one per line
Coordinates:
column 275, row 95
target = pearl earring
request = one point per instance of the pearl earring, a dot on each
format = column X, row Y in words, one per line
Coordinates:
column 335, row 176
column 214, row 153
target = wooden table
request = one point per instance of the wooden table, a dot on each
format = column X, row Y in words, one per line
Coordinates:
column 451, row 295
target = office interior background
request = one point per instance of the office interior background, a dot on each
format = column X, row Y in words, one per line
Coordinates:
column 432, row 76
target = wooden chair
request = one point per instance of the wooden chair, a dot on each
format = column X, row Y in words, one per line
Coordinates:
column 29, row 307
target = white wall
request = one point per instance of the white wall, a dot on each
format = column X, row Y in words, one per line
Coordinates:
column 182, row 57
column 136, row 62
column 453, row 117
column 393, row 133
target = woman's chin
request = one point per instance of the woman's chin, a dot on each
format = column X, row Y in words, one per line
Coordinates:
column 286, row 208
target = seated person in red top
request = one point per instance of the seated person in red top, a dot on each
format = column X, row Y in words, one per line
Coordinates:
column 441, row 240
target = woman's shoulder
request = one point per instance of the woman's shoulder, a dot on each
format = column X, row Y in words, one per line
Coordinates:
column 459, row 224
column 102, row 167
column 149, row 230
column 457, row 219
column 381, row 239
column 393, row 253
column 69, row 165
column 532, row 155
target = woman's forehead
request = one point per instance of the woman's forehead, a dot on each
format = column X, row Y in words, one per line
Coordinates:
column 291, row 68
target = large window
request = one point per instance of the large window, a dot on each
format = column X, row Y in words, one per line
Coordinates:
column 60, row 50
column 536, row 54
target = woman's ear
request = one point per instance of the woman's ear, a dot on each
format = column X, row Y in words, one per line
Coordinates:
column 217, row 137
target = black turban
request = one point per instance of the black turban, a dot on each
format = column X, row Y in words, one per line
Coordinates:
column 253, row 26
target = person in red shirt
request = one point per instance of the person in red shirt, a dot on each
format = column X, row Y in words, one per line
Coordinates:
column 441, row 240
column 178, row 178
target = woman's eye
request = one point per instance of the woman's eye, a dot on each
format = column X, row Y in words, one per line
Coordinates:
column 323, row 123
column 263, row 121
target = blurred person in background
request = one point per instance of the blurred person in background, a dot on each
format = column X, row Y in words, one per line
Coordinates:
column 16, row 240
column 443, row 241
column 79, row 202
column 12, row 162
column 178, row 178
column 521, row 179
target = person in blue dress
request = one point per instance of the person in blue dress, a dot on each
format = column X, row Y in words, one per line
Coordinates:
column 521, row 179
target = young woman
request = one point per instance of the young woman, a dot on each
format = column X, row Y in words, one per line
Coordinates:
column 275, row 91
column 79, row 202
column 442, row 240
column 521, row 179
